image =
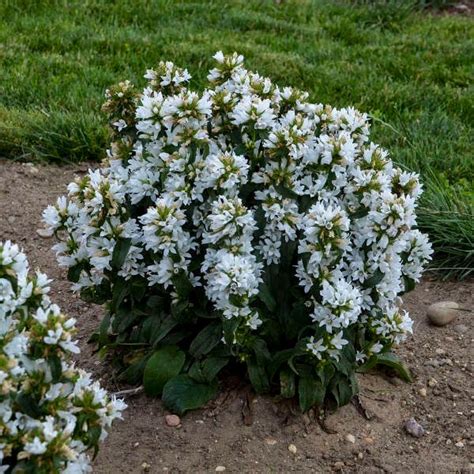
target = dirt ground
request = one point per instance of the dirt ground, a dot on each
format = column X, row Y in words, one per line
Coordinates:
column 440, row 359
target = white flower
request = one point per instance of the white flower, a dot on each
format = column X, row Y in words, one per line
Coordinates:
column 36, row 446
column 316, row 348
column 26, row 314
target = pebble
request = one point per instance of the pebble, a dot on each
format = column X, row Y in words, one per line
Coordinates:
column 271, row 441
column 172, row 420
column 432, row 382
column 360, row 455
column 440, row 351
column 369, row 440
column 44, row 233
column 460, row 328
column 459, row 444
column 339, row 465
column 423, row 392
column 292, row 448
column 145, row 466
column 350, row 438
column 11, row 219
column 442, row 313
column 414, row 428
column 220, row 468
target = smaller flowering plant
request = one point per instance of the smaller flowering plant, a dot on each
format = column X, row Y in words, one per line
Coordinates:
column 51, row 412
column 242, row 223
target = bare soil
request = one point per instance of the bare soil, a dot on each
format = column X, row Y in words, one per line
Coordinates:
column 245, row 433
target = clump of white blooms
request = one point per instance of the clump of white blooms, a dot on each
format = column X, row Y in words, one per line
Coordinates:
column 50, row 411
column 219, row 187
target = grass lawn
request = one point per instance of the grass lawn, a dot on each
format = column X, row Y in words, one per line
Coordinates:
column 411, row 70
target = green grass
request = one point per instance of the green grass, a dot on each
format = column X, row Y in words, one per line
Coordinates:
column 412, row 71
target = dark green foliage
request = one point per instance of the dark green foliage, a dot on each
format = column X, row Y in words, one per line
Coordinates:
column 163, row 365
column 182, row 393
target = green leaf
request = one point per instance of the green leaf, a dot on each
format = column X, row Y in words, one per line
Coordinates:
column 278, row 359
column 103, row 330
column 138, row 288
column 360, row 213
column 262, row 353
column 206, row 340
column 266, row 297
column 56, row 369
column 120, row 291
column 134, row 373
column 391, row 360
column 161, row 367
column 74, row 272
column 123, row 323
column 161, row 330
column 120, row 252
column 409, row 284
column 182, row 393
column 311, row 392
column 155, row 302
column 285, row 192
column 180, row 312
column 183, row 285
column 258, row 376
column 28, row 405
column 343, row 390
column 229, row 327
column 207, row 369
column 372, row 281
column 287, row 383
column 369, row 364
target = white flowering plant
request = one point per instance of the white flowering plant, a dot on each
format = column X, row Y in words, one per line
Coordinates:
column 51, row 413
column 242, row 224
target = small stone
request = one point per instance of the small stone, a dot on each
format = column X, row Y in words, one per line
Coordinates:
column 136, row 444
column 220, row 468
column 44, row 233
column 172, row 420
column 292, row 448
column 442, row 313
column 459, row 444
column 414, row 428
column 461, row 8
column 423, row 392
column 339, row 465
column 432, row 382
column 369, row 440
column 11, row 219
column 145, row 466
column 360, row 455
column 350, row 438
column 460, row 328
column 33, row 169
column 440, row 351
column 271, row 441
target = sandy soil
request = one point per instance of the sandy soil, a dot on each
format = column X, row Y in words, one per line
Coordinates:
column 244, row 433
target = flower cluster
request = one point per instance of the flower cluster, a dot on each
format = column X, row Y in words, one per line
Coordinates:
column 50, row 411
column 225, row 188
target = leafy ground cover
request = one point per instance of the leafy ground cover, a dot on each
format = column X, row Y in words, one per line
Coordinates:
column 408, row 68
